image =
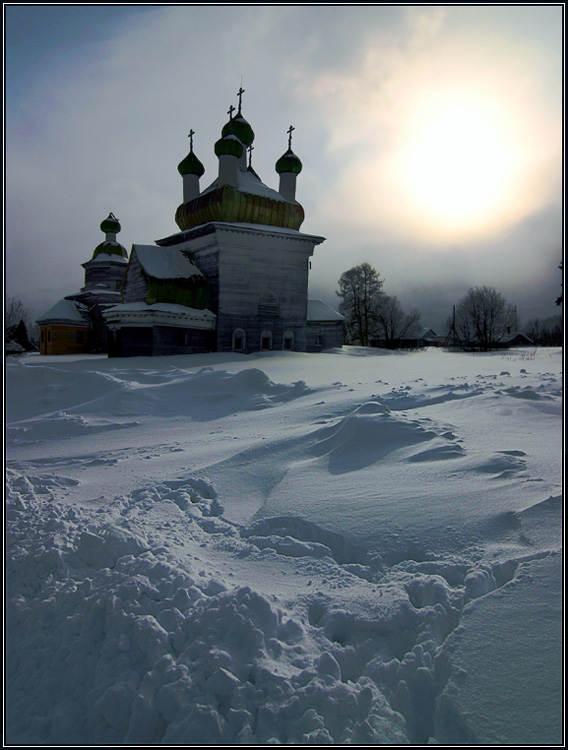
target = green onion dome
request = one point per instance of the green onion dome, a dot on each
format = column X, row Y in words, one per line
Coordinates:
column 110, row 224
column 110, row 248
column 289, row 162
column 231, row 205
column 191, row 165
column 240, row 128
column 229, row 144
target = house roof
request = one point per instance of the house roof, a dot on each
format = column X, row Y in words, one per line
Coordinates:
column 318, row 310
column 66, row 311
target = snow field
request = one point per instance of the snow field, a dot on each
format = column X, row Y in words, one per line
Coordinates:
column 204, row 555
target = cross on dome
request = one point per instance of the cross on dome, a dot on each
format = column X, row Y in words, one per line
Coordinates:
column 190, row 136
column 250, row 150
column 240, row 93
column 289, row 131
column 230, row 112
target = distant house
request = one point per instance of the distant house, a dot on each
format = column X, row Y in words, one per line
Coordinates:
column 65, row 329
column 426, row 337
column 518, row 339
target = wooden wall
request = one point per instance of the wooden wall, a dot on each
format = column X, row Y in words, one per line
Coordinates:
column 64, row 339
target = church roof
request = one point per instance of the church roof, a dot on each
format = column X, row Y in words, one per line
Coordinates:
column 109, row 248
column 238, row 194
column 160, row 313
column 249, row 182
column 165, row 262
column 233, row 205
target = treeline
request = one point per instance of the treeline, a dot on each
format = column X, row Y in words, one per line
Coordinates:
column 482, row 320
column 547, row 332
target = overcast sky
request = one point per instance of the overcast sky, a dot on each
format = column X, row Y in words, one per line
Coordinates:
column 431, row 137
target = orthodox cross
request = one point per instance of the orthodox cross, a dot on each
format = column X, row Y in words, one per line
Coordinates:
column 289, row 131
column 190, row 136
column 250, row 150
column 230, row 112
column 240, row 93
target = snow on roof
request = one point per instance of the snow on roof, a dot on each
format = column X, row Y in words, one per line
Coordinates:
column 165, row 307
column 165, row 262
column 427, row 333
column 249, row 183
column 160, row 313
column 105, row 258
column 320, row 310
column 66, row 310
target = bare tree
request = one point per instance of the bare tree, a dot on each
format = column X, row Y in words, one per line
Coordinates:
column 547, row 332
column 14, row 311
column 18, row 323
column 484, row 318
column 360, row 289
column 393, row 324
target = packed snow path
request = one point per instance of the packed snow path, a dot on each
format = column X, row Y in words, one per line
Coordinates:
column 353, row 547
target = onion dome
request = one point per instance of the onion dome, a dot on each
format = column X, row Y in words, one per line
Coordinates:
column 110, row 248
column 110, row 225
column 229, row 144
column 229, row 204
column 191, row 165
column 289, row 162
column 240, row 128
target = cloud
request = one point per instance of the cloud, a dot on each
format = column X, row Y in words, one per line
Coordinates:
column 101, row 123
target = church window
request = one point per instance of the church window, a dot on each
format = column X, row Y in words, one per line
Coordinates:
column 268, row 306
column 266, row 340
column 288, row 341
column 239, row 340
column 79, row 337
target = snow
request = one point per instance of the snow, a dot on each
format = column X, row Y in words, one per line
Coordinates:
column 165, row 262
column 251, row 184
column 355, row 547
column 167, row 313
column 318, row 310
column 66, row 310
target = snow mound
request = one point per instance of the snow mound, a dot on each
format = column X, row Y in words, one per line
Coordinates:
column 367, row 435
column 295, row 536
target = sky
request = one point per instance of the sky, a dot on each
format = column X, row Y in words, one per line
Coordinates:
column 430, row 137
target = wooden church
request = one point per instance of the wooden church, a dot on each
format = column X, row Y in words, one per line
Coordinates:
column 233, row 278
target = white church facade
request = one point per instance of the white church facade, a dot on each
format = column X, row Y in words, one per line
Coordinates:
column 233, row 278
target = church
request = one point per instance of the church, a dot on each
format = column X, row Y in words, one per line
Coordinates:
column 233, row 278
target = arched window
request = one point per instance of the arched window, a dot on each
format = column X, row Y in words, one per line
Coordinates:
column 268, row 306
column 288, row 341
column 266, row 340
column 239, row 340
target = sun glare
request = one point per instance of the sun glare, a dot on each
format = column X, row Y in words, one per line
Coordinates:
column 458, row 165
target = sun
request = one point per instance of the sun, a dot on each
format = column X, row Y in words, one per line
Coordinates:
column 458, row 164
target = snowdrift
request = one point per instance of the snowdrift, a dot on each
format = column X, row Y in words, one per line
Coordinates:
column 345, row 548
